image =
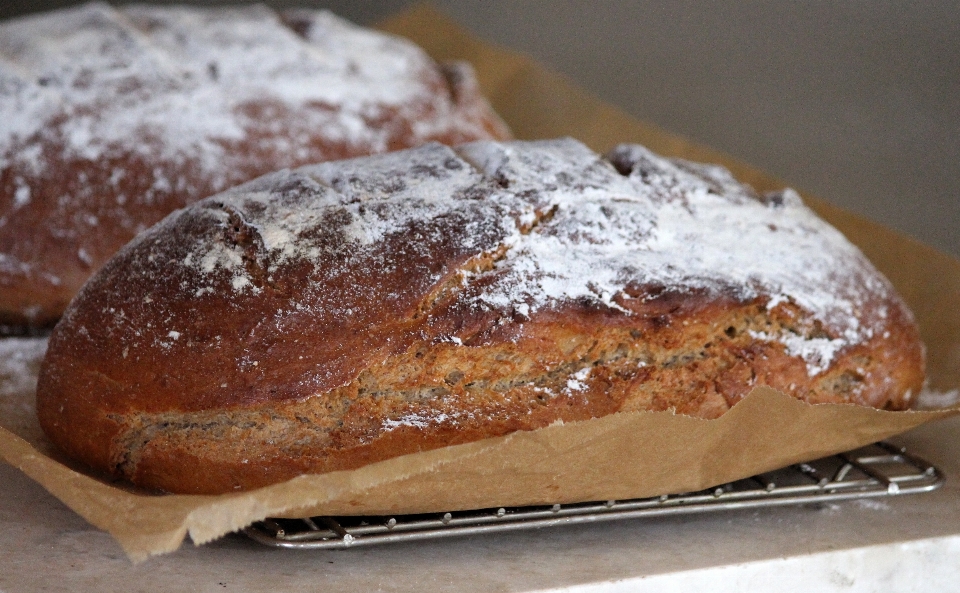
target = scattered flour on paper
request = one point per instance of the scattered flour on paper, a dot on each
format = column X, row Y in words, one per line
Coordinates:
column 19, row 365
column 20, row 360
column 931, row 399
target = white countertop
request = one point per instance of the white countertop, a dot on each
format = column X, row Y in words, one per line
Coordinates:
column 898, row 544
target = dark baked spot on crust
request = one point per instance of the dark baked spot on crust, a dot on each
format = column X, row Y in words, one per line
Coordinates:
column 240, row 234
column 297, row 22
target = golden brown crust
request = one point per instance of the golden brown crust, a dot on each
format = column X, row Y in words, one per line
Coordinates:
column 378, row 346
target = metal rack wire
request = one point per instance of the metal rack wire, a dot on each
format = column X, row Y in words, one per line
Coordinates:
column 874, row 471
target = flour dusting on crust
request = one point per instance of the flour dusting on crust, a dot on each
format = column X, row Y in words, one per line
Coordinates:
column 110, row 118
column 569, row 226
column 183, row 77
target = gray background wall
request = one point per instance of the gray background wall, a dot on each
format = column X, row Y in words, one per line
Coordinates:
column 856, row 101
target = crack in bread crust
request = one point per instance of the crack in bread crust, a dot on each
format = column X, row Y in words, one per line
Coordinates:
column 436, row 394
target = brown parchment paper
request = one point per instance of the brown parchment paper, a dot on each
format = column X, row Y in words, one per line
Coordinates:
column 620, row 456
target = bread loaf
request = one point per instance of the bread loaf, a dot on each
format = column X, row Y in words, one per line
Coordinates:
column 343, row 313
column 112, row 118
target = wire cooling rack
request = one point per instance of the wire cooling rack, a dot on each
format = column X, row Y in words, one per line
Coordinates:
column 877, row 470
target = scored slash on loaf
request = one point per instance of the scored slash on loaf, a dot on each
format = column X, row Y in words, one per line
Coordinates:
column 343, row 313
